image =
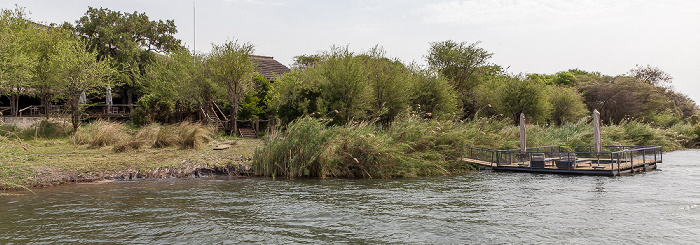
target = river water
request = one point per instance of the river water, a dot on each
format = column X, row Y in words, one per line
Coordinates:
column 656, row 207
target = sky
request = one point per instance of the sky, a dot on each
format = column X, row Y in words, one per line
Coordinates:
column 525, row 36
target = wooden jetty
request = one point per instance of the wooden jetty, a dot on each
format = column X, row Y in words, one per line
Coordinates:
column 568, row 159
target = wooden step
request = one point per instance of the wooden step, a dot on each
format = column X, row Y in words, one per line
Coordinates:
column 248, row 133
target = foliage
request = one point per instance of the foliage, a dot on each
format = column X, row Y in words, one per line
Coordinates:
column 345, row 90
column 651, row 75
column 509, row 96
column 344, row 86
column 567, row 105
column 17, row 59
column 460, row 63
column 256, row 103
column 433, row 95
column 78, row 71
column 303, row 61
column 231, row 68
column 46, row 47
column 130, row 39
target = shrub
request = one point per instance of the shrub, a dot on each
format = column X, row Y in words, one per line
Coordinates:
column 186, row 135
column 47, row 129
column 144, row 137
column 296, row 153
column 101, row 133
column 194, row 136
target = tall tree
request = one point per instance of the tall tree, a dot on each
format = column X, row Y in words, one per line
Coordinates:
column 17, row 59
column 651, row 75
column 129, row 39
column 232, row 68
column 78, row 71
column 46, row 46
column 461, row 63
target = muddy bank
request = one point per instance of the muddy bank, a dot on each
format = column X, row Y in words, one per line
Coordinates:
column 52, row 177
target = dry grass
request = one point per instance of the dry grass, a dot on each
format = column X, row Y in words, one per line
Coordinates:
column 185, row 135
column 101, row 133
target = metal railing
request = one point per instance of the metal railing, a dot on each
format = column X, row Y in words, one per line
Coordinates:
column 610, row 156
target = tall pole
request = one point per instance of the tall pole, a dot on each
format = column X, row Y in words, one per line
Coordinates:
column 194, row 35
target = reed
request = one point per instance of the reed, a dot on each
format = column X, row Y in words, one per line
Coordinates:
column 413, row 146
column 296, row 153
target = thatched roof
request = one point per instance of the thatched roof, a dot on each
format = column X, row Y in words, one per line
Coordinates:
column 269, row 67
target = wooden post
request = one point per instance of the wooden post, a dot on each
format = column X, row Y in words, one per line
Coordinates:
column 257, row 125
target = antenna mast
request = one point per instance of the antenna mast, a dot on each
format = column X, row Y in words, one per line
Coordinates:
column 194, row 26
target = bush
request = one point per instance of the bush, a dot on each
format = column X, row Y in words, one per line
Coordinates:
column 296, row 153
column 186, row 135
column 100, row 133
column 144, row 137
column 47, row 129
column 194, row 136
column 411, row 147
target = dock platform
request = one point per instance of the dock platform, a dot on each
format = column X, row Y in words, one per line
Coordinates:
column 568, row 159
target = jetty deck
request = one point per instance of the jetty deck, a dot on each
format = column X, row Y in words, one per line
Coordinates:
column 568, row 159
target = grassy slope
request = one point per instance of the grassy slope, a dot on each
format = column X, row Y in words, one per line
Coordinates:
column 48, row 162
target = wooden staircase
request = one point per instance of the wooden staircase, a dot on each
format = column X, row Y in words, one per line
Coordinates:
column 213, row 117
column 248, row 133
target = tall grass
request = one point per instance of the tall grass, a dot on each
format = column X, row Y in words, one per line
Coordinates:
column 296, row 153
column 101, row 133
column 185, row 135
column 419, row 147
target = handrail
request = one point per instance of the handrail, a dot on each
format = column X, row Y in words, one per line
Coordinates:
column 629, row 153
column 25, row 108
column 221, row 112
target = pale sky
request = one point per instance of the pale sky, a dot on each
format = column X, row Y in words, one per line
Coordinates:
column 526, row 36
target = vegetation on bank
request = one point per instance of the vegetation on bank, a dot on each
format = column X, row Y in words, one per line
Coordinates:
column 53, row 154
column 414, row 146
column 344, row 114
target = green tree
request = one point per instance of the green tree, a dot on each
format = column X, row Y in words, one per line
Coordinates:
column 17, row 60
column 77, row 71
column 461, row 63
column 130, row 40
column 256, row 103
column 170, row 82
column 343, row 86
column 231, row 68
column 433, row 95
column 45, row 47
column 389, row 82
column 509, row 96
column 567, row 105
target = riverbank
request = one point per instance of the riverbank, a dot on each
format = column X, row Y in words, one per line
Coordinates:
column 411, row 147
column 44, row 162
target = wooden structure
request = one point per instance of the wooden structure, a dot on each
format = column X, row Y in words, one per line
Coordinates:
column 246, row 128
column 568, row 159
column 116, row 111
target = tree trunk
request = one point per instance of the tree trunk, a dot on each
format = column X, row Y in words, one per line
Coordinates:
column 14, row 101
column 75, row 113
column 234, row 117
column 45, row 101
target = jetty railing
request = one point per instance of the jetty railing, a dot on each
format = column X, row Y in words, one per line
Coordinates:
column 618, row 158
